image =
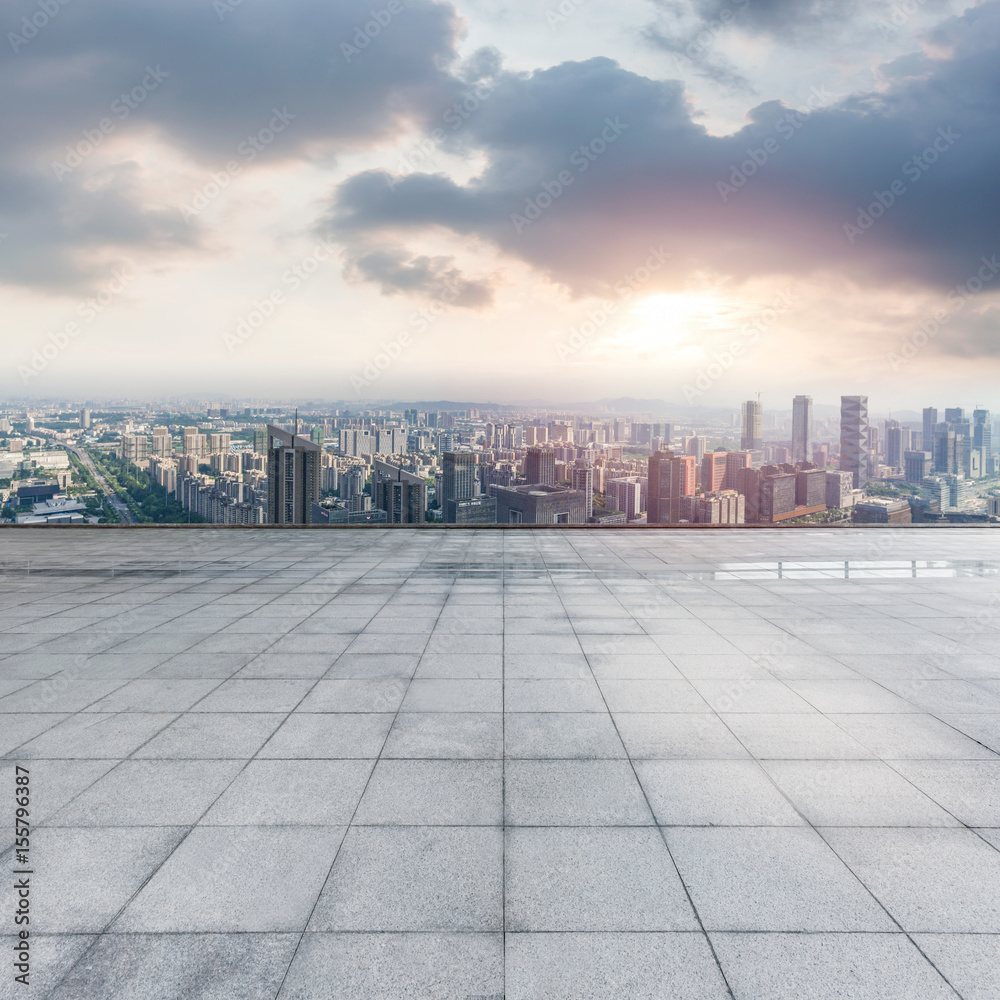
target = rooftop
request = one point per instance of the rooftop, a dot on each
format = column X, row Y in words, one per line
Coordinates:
column 360, row 763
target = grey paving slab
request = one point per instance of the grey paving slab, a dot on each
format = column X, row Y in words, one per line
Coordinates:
column 232, row 878
column 855, row 793
column 89, row 874
column 52, row 956
column 291, row 793
column 713, row 793
column 970, row 962
column 397, row 695
column 540, row 735
column 150, row 793
column 611, row 966
column 592, row 879
column 929, row 880
column 828, row 967
column 389, row 966
column 573, row 793
column 771, row 879
column 180, row 966
column 433, row 793
column 206, row 735
column 414, row 879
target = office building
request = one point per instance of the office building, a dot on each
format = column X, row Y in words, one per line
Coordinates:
column 736, row 461
column 293, row 477
column 898, row 441
column 85, row 419
column 696, row 445
column 839, row 489
column 854, row 439
column 810, row 488
column 476, row 510
column 917, row 466
column 930, row 424
column 948, row 449
column 624, row 495
column 670, row 478
column 777, row 497
column 752, row 426
column 713, row 471
column 802, row 428
column 880, row 510
column 540, row 466
column 582, row 479
column 401, row 494
column 538, row 504
column 458, row 481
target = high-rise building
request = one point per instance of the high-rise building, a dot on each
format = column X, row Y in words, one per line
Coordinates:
column 696, row 445
column 317, row 435
column 163, row 442
column 802, row 428
column 810, row 488
column 85, row 418
column 982, row 438
column 898, row 441
column 736, row 461
column 917, row 466
column 752, row 426
column 722, row 507
column 582, row 478
column 777, row 496
column 670, row 477
column 839, row 489
column 135, row 448
column 540, row 467
column 293, row 477
column 625, row 495
column 930, row 424
column 947, row 450
column 713, row 471
column 458, row 481
column 402, row 495
column 854, row 439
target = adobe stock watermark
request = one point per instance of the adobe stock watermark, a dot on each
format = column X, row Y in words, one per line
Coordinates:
column 929, row 328
column 580, row 158
column 725, row 358
column 898, row 16
column 249, row 149
column 707, row 36
column 366, row 33
column 422, row 153
column 121, row 107
column 88, row 311
column 563, row 12
column 264, row 309
column 598, row 318
column 33, row 24
column 913, row 169
column 419, row 322
column 785, row 128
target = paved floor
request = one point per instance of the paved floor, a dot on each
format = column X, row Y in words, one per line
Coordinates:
column 522, row 764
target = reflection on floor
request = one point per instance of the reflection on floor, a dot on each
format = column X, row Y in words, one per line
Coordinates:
column 522, row 764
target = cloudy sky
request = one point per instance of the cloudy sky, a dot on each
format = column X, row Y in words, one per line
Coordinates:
column 693, row 200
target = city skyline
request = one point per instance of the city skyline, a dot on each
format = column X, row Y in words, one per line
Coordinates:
column 566, row 203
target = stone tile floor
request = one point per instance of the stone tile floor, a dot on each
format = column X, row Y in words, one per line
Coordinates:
column 480, row 764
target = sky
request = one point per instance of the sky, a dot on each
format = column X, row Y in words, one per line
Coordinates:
column 568, row 200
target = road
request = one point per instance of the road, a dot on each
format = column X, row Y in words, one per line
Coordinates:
column 120, row 508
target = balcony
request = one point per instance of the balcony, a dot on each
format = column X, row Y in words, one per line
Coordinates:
column 527, row 763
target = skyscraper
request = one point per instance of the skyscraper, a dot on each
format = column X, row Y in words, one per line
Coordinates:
column 670, row 477
column 458, row 481
column 402, row 495
column 930, row 423
column 897, row 443
column 540, row 467
column 854, row 438
column 752, row 436
column 293, row 477
column 802, row 428
column 583, row 482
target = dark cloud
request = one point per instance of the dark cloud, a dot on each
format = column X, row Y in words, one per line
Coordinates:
column 395, row 270
column 774, row 197
column 344, row 73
